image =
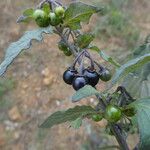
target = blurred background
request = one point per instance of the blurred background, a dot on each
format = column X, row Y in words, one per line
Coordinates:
column 33, row 87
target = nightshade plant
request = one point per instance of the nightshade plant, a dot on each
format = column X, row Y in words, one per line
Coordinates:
column 117, row 107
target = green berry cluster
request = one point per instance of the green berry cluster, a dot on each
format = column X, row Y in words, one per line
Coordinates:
column 44, row 19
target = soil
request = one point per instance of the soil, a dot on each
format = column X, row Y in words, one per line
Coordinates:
column 39, row 89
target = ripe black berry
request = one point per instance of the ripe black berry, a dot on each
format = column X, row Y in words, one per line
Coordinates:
column 105, row 75
column 92, row 76
column 69, row 75
column 79, row 82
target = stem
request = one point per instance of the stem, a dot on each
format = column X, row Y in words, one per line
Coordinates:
column 121, row 140
column 81, row 67
column 77, row 59
column 41, row 3
column 71, row 47
column 92, row 61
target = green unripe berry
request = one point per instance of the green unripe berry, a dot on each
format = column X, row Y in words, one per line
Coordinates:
column 59, row 11
column 38, row 13
column 113, row 113
column 62, row 46
column 67, row 52
column 54, row 20
column 41, row 18
column 97, row 117
column 105, row 75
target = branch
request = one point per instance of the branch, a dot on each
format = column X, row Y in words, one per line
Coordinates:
column 71, row 47
column 121, row 140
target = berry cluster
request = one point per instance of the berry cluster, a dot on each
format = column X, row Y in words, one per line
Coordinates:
column 44, row 19
column 81, row 76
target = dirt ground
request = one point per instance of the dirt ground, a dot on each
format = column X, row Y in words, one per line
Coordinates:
column 39, row 89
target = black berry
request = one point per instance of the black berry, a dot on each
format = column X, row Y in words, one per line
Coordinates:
column 69, row 75
column 79, row 82
column 92, row 76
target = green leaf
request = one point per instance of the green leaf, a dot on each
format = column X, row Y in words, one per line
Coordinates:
column 46, row 8
column 78, row 12
column 23, row 43
column 145, row 89
column 76, row 124
column 27, row 16
column 138, row 83
column 130, row 66
column 84, row 92
column 84, row 40
column 143, row 115
column 28, row 12
column 105, row 56
column 109, row 59
column 133, row 84
column 70, row 115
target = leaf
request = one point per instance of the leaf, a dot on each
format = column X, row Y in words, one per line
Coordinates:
column 143, row 116
column 28, row 12
column 143, row 48
column 69, row 115
column 133, row 84
column 78, row 12
column 130, row 66
column 84, row 92
column 109, row 59
column 84, row 40
column 27, row 16
column 76, row 124
column 46, row 8
column 22, row 44
column 138, row 83
column 105, row 56
column 145, row 89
